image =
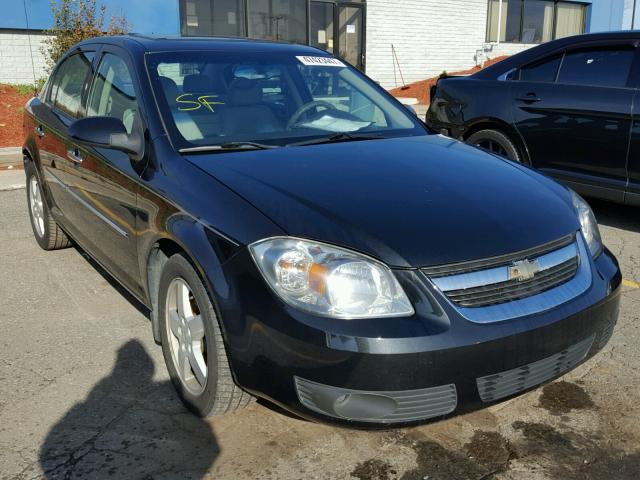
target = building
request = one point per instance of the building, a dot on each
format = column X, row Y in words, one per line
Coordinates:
column 394, row 42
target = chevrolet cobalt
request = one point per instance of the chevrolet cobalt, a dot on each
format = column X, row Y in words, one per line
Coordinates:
column 298, row 235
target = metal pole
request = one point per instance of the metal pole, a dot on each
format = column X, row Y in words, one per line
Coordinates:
column 633, row 16
column 500, row 20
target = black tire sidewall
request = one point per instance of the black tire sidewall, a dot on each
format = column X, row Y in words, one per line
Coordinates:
column 179, row 267
column 43, row 240
column 498, row 137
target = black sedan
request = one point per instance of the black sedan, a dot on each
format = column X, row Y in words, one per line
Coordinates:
column 298, row 235
column 569, row 108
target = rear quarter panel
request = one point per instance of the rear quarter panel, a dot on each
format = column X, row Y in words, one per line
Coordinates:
column 462, row 103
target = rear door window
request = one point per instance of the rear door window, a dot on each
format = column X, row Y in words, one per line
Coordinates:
column 607, row 67
column 69, row 81
column 542, row 71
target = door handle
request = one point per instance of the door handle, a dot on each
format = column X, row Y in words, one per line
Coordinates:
column 40, row 131
column 74, row 155
column 529, row 98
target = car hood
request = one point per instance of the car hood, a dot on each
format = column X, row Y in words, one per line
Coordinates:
column 411, row 202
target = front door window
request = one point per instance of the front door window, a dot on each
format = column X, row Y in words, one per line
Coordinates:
column 112, row 93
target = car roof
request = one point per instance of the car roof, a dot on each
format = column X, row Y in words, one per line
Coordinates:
column 543, row 49
column 150, row 43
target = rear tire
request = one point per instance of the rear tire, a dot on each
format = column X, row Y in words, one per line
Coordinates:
column 192, row 343
column 496, row 142
column 47, row 232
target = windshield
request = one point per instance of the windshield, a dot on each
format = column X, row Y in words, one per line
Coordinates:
column 213, row 98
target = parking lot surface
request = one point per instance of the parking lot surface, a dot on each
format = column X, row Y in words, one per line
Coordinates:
column 84, row 394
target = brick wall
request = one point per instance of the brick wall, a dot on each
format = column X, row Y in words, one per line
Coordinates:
column 429, row 36
column 16, row 54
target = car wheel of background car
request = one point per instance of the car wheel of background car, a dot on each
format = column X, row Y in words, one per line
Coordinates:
column 495, row 142
column 192, row 343
column 47, row 232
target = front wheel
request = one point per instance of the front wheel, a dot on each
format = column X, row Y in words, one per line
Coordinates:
column 495, row 142
column 192, row 343
column 45, row 229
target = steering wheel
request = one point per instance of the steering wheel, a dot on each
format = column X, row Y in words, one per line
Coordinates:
column 305, row 108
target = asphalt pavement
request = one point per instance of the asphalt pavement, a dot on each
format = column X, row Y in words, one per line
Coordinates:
column 84, row 394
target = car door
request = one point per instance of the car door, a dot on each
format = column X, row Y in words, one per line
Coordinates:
column 104, row 181
column 61, row 105
column 573, row 110
column 632, row 195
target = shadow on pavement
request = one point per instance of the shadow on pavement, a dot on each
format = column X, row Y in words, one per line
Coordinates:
column 129, row 427
column 615, row 215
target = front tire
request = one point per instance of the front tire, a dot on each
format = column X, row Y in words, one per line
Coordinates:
column 45, row 229
column 192, row 343
column 496, row 142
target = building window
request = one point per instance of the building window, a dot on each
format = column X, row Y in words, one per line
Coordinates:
column 569, row 19
column 278, row 20
column 534, row 21
column 212, row 17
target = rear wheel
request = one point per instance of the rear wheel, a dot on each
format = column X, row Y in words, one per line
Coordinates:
column 192, row 343
column 47, row 232
column 495, row 142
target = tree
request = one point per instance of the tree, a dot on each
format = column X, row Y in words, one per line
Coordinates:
column 77, row 20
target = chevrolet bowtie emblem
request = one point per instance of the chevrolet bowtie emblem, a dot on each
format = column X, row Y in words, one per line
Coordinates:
column 523, row 270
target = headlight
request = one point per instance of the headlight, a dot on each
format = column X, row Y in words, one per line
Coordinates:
column 588, row 224
column 329, row 281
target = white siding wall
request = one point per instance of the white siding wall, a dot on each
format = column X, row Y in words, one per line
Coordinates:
column 429, row 36
column 15, row 57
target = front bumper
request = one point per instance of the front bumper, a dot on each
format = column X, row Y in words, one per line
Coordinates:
column 405, row 371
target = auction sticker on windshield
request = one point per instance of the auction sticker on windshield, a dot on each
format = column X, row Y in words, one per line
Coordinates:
column 320, row 61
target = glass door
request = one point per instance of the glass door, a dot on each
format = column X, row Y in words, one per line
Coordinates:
column 350, row 35
column 321, row 20
column 338, row 29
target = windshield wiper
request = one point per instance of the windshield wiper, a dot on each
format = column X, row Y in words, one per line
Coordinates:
column 229, row 146
column 338, row 137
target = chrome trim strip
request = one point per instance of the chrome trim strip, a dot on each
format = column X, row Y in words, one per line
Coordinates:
column 486, row 263
column 490, row 276
column 536, row 303
column 90, row 207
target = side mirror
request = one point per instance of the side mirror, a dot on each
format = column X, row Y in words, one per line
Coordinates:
column 106, row 132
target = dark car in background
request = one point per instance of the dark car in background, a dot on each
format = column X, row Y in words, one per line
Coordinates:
column 570, row 108
column 297, row 234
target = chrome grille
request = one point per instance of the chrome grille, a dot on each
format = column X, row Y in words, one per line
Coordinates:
column 513, row 289
column 512, row 285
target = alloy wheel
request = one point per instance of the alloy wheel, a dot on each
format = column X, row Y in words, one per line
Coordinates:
column 35, row 203
column 185, row 331
column 493, row 147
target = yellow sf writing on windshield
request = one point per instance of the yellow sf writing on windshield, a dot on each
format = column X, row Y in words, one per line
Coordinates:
column 188, row 102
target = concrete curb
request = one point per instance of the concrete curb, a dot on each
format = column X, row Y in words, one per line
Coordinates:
column 11, row 180
column 10, row 155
